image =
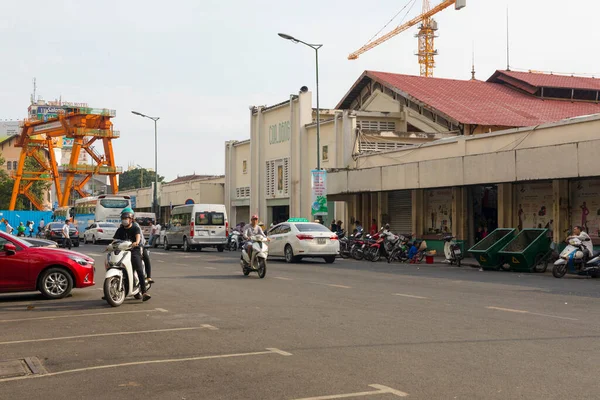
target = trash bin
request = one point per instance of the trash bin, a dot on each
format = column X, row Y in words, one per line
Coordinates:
column 486, row 251
column 528, row 250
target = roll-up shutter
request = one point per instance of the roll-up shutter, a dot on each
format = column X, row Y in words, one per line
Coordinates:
column 400, row 211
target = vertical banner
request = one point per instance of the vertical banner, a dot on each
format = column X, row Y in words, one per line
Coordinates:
column 319, row 192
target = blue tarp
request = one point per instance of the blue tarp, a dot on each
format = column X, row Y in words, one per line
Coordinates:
column 14, row 217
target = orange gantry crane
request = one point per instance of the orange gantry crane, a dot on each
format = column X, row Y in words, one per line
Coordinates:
column 426, row 35
column 85, row 126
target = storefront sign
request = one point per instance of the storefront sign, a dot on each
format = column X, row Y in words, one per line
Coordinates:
column 534, row 205
column 439, row 210
column 319, row 192
column 280, row 133
column 585, row 205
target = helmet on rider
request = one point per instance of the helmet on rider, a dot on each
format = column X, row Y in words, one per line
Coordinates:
column 127, row 216
column 254, row 220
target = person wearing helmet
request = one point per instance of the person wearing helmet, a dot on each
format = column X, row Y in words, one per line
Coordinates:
column 253, row 229
column 130, row 231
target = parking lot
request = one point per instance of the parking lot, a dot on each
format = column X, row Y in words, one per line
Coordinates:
column 307, row 331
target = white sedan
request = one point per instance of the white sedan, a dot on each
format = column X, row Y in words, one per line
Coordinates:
column 99, row 231
column 297, row 240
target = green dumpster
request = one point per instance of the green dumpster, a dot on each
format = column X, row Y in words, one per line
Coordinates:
column 528, row 251
column 486, row 250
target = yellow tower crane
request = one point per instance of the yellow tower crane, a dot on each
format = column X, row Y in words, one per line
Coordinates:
column 426, row 35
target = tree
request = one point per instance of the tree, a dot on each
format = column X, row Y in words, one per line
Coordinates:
column 39, row 189
column 137, row 178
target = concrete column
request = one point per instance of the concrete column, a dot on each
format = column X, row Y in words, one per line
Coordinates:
column 365, row 210
column 384, row 210
column 460, row 214
column 374, row 209
column 418, row 212
column 506, row 206
column 560, row 209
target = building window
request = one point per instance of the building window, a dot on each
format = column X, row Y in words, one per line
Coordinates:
column 8, row 165
column 244, row 167
column 368, row 125
column 325, row 153
column 15, row 165
column 277, row 178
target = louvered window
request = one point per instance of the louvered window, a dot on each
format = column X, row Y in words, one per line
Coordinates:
column 277, row 184
column 242, row 192
column 377, row 125
column 372, row 147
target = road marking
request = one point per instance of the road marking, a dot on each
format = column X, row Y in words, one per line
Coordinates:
column 210, row 267
column 181, row 265
column 94, row 254
column 83, row 315
column 282, row 278
column 410, row 295
column 280, row 352
column 531, row 313
column 381, row 389
column 163, row 361
column 160, row 261
column 209, row 327
column 332, row 285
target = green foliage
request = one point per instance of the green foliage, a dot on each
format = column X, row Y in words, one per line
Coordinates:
column 39, row 189
column 137, row 178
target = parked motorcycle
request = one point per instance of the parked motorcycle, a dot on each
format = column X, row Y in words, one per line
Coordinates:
column 400, row 250
column 383, row 246
column 452, row 250
column 573, row 260
column 120, row 280
column 257, row 261
column 235, row 240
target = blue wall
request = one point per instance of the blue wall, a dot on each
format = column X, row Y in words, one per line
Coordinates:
column 14, row 217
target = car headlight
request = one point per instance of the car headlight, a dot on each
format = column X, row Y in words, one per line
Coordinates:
column 79, row 260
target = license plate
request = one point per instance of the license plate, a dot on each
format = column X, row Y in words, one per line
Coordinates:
column 457, row 251
column 321, row 240
column 202, row 233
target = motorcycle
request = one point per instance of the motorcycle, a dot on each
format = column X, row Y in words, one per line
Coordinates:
column 357, row 246
column 257, row 262
column 120, row 280
column 344, row 244
column 234, row 241
column 383, row 246
column 452, row 250
column 574, row 259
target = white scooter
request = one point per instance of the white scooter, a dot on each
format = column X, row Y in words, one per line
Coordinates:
column 258, row 261
column 572, row 259
column 120, row 280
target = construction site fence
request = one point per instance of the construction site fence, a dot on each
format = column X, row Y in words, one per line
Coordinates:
column 15, row 217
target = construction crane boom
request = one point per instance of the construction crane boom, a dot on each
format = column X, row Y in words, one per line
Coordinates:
column 425, row 16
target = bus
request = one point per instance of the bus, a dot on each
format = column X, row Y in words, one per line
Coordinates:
column 145, row 221
column 103, row 208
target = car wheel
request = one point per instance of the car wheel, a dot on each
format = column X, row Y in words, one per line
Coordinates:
column 166, row 246
column 186, row 246
column 329, row 260
column 289, row 254
column 55, row 283
column 76, row 244
column 220, row 248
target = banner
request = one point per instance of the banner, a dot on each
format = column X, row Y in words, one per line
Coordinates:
column 319, row 192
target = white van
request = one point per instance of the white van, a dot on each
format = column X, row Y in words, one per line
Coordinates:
column 196, row 226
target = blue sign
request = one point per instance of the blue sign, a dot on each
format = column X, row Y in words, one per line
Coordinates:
column 189, row 201
column 133, row 201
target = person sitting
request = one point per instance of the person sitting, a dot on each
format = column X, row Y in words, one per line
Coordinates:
column 579, row 233
column 254, row 229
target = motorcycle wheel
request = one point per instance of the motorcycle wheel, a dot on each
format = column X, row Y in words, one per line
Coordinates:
column 376, row 255
column 357, row 254
column 368, row 254
column 262, row 268
column 246, row 271
column 233, row 246
column 112, row 294
column 541, row 263
column 558, row 271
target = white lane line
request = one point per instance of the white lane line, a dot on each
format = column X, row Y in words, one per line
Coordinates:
column 181, row 265
column 531, row 313
column 209, row 327
column 332, row 285
column 163, row 361
column 210, row 267
column 280, row 352
column 282, row 278
column 83, row 315
column 93, row 254
column 381, row 389
column 410, row 295
column 160, row 261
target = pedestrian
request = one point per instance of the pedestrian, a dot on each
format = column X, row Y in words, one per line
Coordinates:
column 41, row 225
column 9, row 229
column 373, row 229
column 65, row 233
column 484, row 233
column 30, row 228
column 334, row 226
column 152, row 233
column 339, row 226
column 21, row 229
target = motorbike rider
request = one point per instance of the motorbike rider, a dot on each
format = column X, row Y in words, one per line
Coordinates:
column 131, row 231
column 254, row 229
column 579, row 233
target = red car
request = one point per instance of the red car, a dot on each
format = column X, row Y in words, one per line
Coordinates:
column 54, row 272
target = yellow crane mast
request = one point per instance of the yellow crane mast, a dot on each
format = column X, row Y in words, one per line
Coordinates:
column 426, row 35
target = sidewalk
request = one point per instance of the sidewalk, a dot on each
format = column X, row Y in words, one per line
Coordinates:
column 467, row 261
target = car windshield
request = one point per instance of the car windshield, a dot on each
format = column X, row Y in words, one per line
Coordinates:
column 114, row 203
column 312, row 228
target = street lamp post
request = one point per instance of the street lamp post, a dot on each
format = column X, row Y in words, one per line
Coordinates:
column 316, row 48
column 155, row 207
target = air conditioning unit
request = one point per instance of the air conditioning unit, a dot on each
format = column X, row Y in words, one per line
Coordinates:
column 460, row 4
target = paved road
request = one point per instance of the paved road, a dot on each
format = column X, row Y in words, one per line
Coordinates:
column 311, row 330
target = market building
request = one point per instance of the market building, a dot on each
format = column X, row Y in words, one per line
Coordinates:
column 428, row 155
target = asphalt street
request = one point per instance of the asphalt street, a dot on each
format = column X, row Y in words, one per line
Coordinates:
column 309, row 331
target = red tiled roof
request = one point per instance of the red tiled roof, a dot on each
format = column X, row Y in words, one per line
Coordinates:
column 188, row 178
column 483, row 103
column 549, row 80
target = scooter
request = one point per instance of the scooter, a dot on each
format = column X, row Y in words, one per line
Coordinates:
column 573, row 260
column 400, row 250
column 258, row 261
column 383, row 246
column 120, row 280
column 234, row 240
column 452, row 250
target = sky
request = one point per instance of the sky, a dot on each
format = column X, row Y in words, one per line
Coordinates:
column 199, row 64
